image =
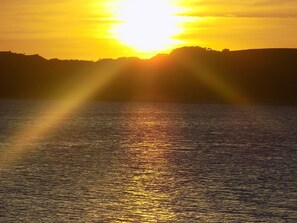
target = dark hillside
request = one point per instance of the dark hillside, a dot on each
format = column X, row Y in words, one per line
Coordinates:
column 189, row 74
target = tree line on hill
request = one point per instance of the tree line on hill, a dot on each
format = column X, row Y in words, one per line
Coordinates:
column 187, row 75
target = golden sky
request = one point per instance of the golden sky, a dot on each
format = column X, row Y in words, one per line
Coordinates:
column 93, row 29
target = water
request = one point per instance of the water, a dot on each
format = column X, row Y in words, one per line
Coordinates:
column 116, row 162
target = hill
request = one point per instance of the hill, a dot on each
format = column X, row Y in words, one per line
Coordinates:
column 188, row 74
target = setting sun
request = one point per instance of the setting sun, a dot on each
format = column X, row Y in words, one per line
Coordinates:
column 148, row 111
column 146, row 25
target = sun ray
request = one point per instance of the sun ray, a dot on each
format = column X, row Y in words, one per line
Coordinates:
column 22, row 142
column 203, row 74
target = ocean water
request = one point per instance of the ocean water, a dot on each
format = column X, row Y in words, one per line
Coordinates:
column 129, row 162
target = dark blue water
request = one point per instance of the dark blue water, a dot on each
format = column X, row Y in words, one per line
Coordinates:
column 116, row 162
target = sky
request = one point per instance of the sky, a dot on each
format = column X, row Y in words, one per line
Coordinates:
column 93, row 29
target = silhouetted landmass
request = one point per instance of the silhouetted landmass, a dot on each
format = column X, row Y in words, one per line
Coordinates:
column 188, row 74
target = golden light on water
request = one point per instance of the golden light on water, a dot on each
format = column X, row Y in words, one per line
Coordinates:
column 148, row 187
column 147, row 26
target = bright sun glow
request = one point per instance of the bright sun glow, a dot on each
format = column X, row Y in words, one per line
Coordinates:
column 146, row 25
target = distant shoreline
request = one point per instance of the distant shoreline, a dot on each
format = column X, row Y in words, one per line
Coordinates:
column 186, row 75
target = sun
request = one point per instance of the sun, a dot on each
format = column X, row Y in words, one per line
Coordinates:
column 146, row 25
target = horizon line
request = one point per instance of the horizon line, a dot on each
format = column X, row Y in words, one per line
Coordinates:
column 157, row 54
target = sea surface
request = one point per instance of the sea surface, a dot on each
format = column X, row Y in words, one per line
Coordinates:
column 140, row 162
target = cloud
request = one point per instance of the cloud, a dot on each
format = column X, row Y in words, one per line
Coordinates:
column 244, row 8
column 52, row 18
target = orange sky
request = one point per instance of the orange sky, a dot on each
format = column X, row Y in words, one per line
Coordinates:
column 81, row 29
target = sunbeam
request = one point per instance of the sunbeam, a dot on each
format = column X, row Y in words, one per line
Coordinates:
column 92, row 82
column 230, row 93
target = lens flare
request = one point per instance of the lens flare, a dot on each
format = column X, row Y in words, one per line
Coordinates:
column 23, row 142
column 229, row 92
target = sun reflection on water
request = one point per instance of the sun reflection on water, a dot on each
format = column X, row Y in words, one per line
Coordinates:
column 149, row 189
